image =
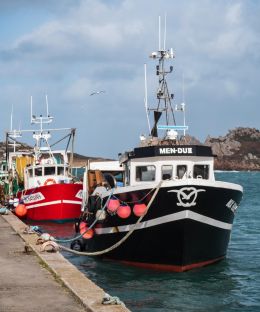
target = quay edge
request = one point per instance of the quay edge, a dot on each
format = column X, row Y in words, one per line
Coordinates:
column 88, row 293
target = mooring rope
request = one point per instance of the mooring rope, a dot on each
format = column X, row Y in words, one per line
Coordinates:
column 90, row 227
column 101, row 252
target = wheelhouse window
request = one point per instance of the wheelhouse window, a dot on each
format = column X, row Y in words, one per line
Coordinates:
column 145, row 173
column 30, row 173
column 60, row 170
column 119, row 178
column 201, row 171
column 127, row 175
column 166, row 172
column 38, row 172
column 181, row 170
column 49, row 170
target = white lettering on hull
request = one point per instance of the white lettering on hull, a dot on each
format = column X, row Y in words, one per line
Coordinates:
column 232, row 205
column 79, row 194
column 33, row 198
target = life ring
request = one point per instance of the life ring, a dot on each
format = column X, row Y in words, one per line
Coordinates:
column 49, row 182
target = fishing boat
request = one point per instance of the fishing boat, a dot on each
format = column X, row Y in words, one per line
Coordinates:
column 41, row 185
column 170, row 213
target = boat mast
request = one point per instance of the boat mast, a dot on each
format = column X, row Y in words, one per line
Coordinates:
column 42, row 134
column 164, row 97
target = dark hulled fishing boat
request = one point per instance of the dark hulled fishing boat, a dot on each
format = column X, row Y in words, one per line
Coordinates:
column 169, row 212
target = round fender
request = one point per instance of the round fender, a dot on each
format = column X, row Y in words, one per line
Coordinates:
column 49, row 182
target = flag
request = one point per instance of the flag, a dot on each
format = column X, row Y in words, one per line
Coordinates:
column 157, row 116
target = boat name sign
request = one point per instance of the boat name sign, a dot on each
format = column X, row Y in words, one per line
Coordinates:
column 232, row 205
column 32, row 198
column 79, row 194
column 175, row 150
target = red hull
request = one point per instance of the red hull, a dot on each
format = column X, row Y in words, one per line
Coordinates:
column 171, row 268
column 56, row 202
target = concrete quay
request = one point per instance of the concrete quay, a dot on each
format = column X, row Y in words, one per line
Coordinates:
column 31, row 280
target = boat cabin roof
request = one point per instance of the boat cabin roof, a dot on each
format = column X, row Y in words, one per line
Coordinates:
column 112, row 165
column 167, row 150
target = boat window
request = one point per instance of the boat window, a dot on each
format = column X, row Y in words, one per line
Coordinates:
column 181, row 170
column 145, row 173
column 60, row 170
column 201, row 171
column 119, row 178
column 166, row 172
column 38, row 172
column 58, row 159
column 127, row 175
column 30, row 173
column 49, row 171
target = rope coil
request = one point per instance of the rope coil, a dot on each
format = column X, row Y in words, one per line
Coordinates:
column 4, row 211
column 112, row 300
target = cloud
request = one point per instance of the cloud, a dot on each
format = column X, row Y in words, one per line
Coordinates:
column 83, row 46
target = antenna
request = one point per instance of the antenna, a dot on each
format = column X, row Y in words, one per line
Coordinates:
column 183, row 101
column 164, row 41
column 31, row 111
column 183, row 104
column 11, row 123
column 145, row 99
column 41, row 119
column 47, row 104
column 159, row 33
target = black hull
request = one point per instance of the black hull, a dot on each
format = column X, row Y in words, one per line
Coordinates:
column 177, row 233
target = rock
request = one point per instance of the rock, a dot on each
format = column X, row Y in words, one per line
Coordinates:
column 238, row 150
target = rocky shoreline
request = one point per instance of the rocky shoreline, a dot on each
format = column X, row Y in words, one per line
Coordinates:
column 238, row 150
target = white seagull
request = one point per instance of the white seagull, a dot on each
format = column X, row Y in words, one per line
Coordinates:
column 97, row 92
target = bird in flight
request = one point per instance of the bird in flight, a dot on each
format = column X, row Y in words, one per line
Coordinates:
column 97, row 92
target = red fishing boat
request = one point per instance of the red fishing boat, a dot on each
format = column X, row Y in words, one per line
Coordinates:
column 41, row 182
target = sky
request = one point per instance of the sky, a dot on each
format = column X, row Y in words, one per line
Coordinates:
column 68, row 49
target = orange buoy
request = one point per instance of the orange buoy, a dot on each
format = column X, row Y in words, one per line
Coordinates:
column 139, row 209
column 113, row 205
column 20, row 210
column 85, row 231
column 123, row 211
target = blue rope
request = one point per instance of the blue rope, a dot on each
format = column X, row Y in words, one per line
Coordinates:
column 3, row 211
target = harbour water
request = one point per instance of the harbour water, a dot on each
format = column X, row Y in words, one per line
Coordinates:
column 230, row 285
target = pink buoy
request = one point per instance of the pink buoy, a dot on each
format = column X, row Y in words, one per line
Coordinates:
column 140, row 209
column 123, row 211
column 113, row 205
column 82, row 225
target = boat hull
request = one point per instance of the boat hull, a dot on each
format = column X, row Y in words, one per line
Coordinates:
column 187, row 226
column 56, row 202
